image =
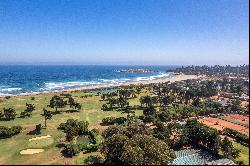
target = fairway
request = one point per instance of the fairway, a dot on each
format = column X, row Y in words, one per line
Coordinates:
column 41, row 143
column 11, row 147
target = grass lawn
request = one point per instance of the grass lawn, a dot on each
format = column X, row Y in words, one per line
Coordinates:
column 10, row 147
column 244, row 154
column 42, row 143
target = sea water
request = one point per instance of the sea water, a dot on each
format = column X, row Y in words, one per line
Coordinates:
column 18, row 79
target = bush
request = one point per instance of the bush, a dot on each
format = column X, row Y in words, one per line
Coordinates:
column 149, row 119
column 92, row 148
column 83, row 141
column 96, row 140
column 8, row 114
column 6, row 132
column 83, row 127
column 73, row 128
column 32, row 98
column 108, row 121
column 7, row 97
column 71, row 149
column 113, row 120
column 93, row 160
column 120, row 120
column 105, row 107
column 62, row 126
column 241, row 138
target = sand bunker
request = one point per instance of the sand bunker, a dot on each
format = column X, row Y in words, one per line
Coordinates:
column 31, row 151
column 38, row 138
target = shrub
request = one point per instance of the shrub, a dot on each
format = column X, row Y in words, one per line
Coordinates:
column 120, row 120
column 149, row 119
column 96, row 140
column 61, row 126
column 113, row 120
column 108, row 121
column 73, row 128
column 8, row 114
column 241, row 138
column 83, row 141
column 6, row 132
column 71, row 149
column 93, row 160
column 7, row 97
column 83, row 127
column 105, row 107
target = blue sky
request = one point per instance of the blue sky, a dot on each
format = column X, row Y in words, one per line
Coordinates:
column 156, row 32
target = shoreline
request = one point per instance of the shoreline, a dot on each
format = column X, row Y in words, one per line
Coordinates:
column 176, row 78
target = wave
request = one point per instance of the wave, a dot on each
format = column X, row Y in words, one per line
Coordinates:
column 6, row 89
column 118, row 81
column 64, row 85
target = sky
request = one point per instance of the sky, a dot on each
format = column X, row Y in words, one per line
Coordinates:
column 124, row 32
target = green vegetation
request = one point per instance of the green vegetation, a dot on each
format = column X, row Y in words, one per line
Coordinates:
column 241, row 138
column 10, row 148
column 6, row 132
column 244, row 153
column 41, row 143
column 130, row 125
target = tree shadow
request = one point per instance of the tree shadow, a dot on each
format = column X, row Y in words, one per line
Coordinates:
column 56, row 112
column 34, row 132
column 71, row 111
column 60, row 145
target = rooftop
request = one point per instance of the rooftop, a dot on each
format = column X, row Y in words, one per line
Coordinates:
column 192, row 157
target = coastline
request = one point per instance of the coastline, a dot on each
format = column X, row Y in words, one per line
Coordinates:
column 176, row 78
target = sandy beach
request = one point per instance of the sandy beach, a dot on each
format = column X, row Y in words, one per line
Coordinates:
column 179, row 77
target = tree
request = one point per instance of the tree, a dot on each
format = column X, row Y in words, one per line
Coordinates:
column 6, row 132
column 149, row 111
column 137, row 150
column 94, row 160
column 122, row 101
column 105, row 107
column 73, row 128
column 71, row 149
column 127, row 110
column 162, row 132
column 73, row 103
column 9, row 113
column 147, row 100
column 56, row 102
column 164, row 116
column 228, row 150
column 29, row 109
column 47, row 115
column 83, row 127
column 103, row 97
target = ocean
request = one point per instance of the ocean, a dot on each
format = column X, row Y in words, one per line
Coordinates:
column 21, row 79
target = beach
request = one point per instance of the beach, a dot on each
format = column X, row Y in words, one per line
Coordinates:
column 176, row 78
